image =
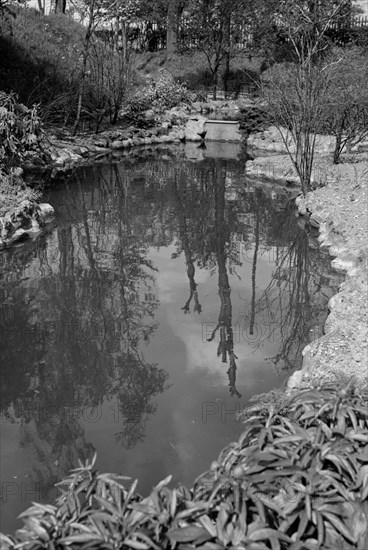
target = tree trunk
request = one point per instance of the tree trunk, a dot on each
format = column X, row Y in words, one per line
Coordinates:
column 60, row 6
column 124, row 41
column 84, row 69
column 41, row 6
column 338, row 148
column 80, row 95
column 227, row 54
column 214, row 87
column 172, row 27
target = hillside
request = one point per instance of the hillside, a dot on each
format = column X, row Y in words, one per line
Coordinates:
column 39, row 55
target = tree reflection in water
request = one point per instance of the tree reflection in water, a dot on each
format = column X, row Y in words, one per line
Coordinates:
column 225, row 348
column 210, row 228
column 185, row 245
column 219, row 222
column 78, row 306
column 294, row 303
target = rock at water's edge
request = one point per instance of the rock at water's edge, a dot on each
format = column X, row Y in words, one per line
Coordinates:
column 24, row 221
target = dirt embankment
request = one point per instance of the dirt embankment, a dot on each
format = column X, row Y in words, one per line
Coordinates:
column 340, row 208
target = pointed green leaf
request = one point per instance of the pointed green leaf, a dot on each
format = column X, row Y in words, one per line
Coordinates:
column 188, row 534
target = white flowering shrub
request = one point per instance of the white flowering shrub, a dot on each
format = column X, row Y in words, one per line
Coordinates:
column 160, row 94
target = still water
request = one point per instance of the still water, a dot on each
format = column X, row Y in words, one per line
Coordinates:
column 168, row 293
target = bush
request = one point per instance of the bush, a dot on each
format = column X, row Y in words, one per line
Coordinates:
column 20, row 131
column 297, row 481
column 345, row 112
column 255, row 119
column 160, row 93
column 41, row 60
column 13, row 190
column 38, row 60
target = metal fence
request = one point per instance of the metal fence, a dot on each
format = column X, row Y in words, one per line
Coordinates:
column 148, row 36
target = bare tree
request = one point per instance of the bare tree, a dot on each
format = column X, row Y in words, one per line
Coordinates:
column 215, row 27
column 296, row 91
column 95, row 12
column 346, row 112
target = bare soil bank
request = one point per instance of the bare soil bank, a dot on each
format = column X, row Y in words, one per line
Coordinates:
column 340, row 208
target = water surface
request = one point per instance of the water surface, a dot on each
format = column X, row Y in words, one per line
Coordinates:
column 168, row 293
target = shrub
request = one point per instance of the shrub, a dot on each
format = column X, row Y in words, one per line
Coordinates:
column 13, row 190
column 20, row 131
column 38, row 59
column 297, row 480
column 42, row 61
column 255, row 119
column 160, row 93
column 345, row 114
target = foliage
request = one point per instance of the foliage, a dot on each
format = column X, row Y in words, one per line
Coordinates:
column 108, row 80
column 13, row 190
column 38, row 59
column 21, row 139
column 160, row 93
column 43, row 60
column 346, row 111
column 297, row 480
column 20, row 131
column 211, row 27
column 255, row 119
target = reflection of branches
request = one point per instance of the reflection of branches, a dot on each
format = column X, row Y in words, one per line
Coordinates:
column 288, row 301
column 183, row 232
column 254, row 268
column 208, row 239
column 136, row 384
column 226, row 345
column 92, row 306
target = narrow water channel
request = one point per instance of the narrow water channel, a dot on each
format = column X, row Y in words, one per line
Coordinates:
column 168, row 294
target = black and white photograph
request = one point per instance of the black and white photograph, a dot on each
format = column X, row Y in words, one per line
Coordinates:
column 183, row 274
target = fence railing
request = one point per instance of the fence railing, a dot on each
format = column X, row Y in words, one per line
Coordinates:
column 353, row 23
column 149, row 36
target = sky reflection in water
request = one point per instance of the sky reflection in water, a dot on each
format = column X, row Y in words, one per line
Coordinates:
column 168, row 294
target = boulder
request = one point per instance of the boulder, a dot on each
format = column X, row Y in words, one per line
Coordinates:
column 23, row 221
column 65, row 154
column 45, row 213
column 194, row 128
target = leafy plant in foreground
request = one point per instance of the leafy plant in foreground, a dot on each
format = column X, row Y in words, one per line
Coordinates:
column 297, row 480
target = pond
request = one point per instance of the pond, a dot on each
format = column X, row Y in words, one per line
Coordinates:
column 168, row 293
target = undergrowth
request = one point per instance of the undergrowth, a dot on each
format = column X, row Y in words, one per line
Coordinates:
column 296, row 480
column 42, row 62
column 21, row 141
column 13, row 191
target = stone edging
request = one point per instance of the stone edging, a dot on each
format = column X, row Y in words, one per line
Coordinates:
column 178, row 124
column 177, row 127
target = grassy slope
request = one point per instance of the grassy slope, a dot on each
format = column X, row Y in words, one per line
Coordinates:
column 39, row 60
column 39, row 55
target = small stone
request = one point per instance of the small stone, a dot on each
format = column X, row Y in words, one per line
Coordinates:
column 117, row 144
